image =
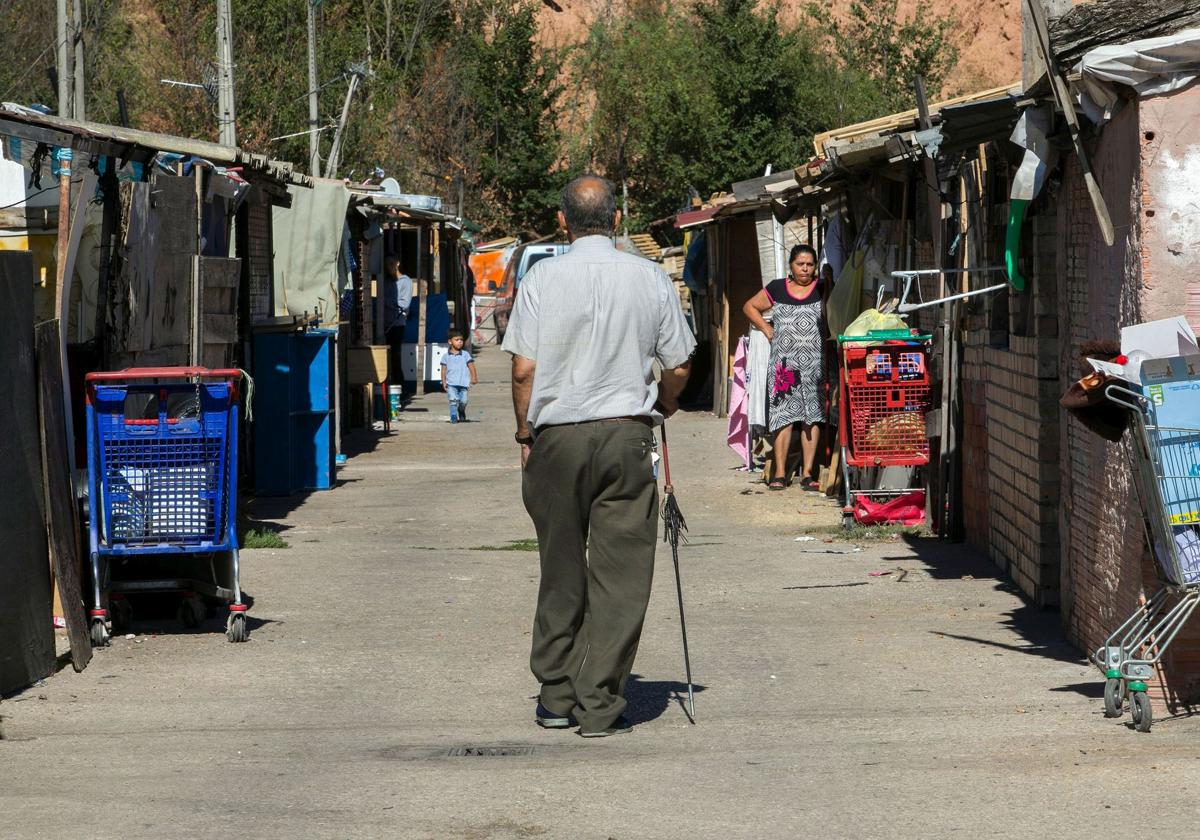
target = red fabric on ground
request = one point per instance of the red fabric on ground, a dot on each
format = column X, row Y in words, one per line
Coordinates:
column 908, row 509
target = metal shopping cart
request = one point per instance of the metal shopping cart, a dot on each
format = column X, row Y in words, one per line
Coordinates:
column 1166, row 473
column 885, row 394
column 162, row 476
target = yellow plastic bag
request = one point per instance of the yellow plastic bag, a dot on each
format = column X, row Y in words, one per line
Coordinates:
column 872, row 320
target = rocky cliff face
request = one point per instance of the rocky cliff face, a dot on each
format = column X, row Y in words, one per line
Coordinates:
column 989, row 33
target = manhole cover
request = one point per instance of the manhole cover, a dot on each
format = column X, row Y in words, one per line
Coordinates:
column 488, row 752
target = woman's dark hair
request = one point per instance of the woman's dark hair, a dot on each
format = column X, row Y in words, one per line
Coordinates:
column 802, row 249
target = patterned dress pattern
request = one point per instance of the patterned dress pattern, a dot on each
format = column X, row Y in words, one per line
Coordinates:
column 797, row 386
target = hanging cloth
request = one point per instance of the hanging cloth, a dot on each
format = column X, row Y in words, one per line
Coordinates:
column 758, row 363
column 738, row 435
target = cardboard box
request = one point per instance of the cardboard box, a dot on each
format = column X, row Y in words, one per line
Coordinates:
column 367, row 365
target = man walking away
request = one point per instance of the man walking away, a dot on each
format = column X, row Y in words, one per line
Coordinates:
column 585, row 332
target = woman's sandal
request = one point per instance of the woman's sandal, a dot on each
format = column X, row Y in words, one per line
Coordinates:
column 811, row 485
column 775, row 484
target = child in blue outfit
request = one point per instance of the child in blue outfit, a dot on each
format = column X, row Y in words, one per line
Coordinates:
column 458, row 374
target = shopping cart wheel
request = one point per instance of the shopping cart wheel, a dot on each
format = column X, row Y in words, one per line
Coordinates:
column 1114, row 698
column 1139, row 707
column 99, row 633
column 235, row 627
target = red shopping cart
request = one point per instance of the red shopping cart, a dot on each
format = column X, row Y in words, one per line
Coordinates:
column 885, row 394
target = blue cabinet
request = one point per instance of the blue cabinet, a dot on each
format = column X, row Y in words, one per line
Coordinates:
column 293, row 411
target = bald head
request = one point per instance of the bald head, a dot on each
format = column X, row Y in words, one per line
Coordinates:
column 589, row 206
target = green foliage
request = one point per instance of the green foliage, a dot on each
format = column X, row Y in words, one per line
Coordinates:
column 665, row 96
column 652, row 121
column 263, row 538
column 513, row 90
column 759, row 73
column 892, row 51
column 709, row 97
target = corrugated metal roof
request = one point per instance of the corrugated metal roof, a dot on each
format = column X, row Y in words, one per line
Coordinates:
column 904, row 120
column 125, row 143
column 970, row 124
column 693, row 218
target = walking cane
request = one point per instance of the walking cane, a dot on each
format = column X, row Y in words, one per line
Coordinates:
column 673, row 526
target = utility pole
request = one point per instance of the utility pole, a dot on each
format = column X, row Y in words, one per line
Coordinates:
column 226, row 113
column 314, row 146
column 63, row 63
column 79, row 111
column 356, row 72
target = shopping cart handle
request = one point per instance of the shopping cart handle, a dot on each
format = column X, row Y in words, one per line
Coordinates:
column 1134, row 404
column 163, row 373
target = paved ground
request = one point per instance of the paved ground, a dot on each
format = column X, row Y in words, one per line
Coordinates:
column 927, row 702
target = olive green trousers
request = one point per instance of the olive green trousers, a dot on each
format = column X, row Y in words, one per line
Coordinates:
column 591, row 493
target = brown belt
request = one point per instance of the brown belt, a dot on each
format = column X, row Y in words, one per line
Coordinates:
column 645, row 421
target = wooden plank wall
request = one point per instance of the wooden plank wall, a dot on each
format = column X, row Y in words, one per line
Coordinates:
column 219, row 279
column 62, row 520
column 150, row 320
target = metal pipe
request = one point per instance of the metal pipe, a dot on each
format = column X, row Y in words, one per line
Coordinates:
column 913, row 307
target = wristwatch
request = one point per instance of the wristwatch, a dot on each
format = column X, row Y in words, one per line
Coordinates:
column 525, row 439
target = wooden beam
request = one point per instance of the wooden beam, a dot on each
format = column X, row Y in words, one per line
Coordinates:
column 62, row 523
column 893, row 122
column 1095, row 24
column 1067, row 104
column 29, row 218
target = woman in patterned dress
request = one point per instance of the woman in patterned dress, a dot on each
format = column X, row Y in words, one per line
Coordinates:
column 796, row 389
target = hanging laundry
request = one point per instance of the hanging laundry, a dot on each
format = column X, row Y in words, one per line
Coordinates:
column 738, row 436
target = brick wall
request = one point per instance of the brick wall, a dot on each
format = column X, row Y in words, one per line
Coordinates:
column 1106, row 568
column 1010, row 387
column 973, row 387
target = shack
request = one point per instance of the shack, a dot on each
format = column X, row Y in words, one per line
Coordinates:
column 988, row 189
column 133, row 249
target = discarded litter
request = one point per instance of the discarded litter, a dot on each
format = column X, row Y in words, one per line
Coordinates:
column 130, row 636
column 805, row 539
column 879, row 574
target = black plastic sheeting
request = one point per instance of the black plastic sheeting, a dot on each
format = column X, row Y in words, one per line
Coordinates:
column 26, row 629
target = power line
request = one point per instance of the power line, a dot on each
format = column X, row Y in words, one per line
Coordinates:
column 31, row 195
column 32, row 66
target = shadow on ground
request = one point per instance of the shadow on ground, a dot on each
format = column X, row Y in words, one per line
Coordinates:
column 648, row 699
column 1039, row 627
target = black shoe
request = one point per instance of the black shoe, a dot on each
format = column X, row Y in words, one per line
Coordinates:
column 618, row 727
column 549, row 720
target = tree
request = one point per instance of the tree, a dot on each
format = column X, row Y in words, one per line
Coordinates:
column 512, row 89
column 700, row 100
column 892, row 52
column 653, row 114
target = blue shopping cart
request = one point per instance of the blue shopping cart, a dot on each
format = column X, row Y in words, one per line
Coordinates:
column 162, row 477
